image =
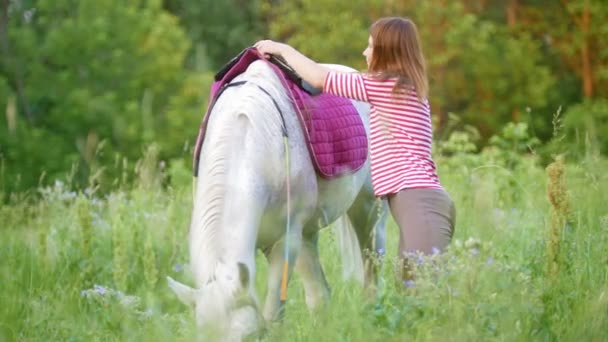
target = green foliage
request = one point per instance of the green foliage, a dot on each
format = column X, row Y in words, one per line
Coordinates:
column 331, row 31
column 85, row 86
column 491, row 284
column 218, row 29
column 471, row 269
column 504, row 149
column 586, row 125
column 480, row 70
column 103, row 73
column 513, row 142
column 477, row 68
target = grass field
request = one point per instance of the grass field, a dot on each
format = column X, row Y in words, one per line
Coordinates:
column 89, row 267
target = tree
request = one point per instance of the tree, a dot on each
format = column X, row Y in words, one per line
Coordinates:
column 331, row 31
column 476, row 67
column 218, row 30
column 576, row 46
column 576, row 31
column 87, row 72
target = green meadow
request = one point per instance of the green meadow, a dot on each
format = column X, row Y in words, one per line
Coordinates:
column 528, row 261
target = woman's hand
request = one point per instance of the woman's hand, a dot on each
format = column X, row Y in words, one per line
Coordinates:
column 269, row 47
column 310, row 71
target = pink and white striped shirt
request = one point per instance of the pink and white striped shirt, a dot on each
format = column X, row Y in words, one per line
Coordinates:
column 400, row 129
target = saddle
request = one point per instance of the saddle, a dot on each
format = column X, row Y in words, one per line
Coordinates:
column 334, row 132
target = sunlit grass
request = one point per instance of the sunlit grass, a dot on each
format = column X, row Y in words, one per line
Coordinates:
column 64, row 280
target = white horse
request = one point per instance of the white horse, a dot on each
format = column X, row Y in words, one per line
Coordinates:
column 241, row 204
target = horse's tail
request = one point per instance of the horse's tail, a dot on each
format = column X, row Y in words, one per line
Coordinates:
column 350, row 252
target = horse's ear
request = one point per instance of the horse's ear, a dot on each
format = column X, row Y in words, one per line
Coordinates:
column 186, row 294
column 243, row 274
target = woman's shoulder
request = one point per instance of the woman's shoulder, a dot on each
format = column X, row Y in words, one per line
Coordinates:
column 382, row 78
column 339, row 68
column 381, row 82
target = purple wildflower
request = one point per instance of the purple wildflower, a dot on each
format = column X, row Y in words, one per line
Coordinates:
column 409, row 283
column 100, row 289
column 435, row 250
column 177, row 267
column 83, row 293
column 381, row 251
column 490, row 261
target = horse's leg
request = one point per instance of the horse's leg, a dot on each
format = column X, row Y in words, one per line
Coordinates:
column 310, row 271
column 273, row 305
column 368, row 216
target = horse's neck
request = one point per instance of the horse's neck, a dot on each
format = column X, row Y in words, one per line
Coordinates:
column 238, row 160
column 224, row 224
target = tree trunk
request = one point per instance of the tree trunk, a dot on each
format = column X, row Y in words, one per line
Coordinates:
column 515, row 115
column 4, row 26
column 512, row 7
column 442, row 123
column 585, row 55
column 10, row 63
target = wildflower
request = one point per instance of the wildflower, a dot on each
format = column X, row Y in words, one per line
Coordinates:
column 129, row 301
column 409, row 283
column 413, row 257
column 147, row 313
column 435, row 250
column 83, row 293
column 499, row 213
column 100, row 289
column 177, row 267
column 68, row 195
column 381, row 251
column 490, row 261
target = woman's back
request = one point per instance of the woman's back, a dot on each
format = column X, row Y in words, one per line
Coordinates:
column 401, row 131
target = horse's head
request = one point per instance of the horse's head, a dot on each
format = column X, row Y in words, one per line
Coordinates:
column 224, row 305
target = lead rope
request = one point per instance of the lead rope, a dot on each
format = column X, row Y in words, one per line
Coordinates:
column 285, row 276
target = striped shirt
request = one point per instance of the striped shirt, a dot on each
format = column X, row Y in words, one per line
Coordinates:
column 400, row 132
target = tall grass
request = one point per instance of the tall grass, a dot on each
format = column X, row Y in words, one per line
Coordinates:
column 78, row 266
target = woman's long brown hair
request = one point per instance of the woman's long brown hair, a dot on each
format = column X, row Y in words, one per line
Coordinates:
column 397, row 52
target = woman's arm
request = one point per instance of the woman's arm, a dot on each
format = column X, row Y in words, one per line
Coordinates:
column 308, row 69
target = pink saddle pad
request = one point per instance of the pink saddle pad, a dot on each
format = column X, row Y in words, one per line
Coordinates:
column 333, row 129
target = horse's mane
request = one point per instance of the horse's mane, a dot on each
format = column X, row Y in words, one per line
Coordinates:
column 243, row 112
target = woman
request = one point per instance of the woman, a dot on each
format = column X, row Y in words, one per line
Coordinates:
column 396, row 87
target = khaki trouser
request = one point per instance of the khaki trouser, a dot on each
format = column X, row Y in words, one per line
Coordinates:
column 426, row 219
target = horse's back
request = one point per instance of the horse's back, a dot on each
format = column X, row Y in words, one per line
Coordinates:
column 331, row 198
column 336, row 195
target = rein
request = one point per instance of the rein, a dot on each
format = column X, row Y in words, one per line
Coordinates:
column 284, row 278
